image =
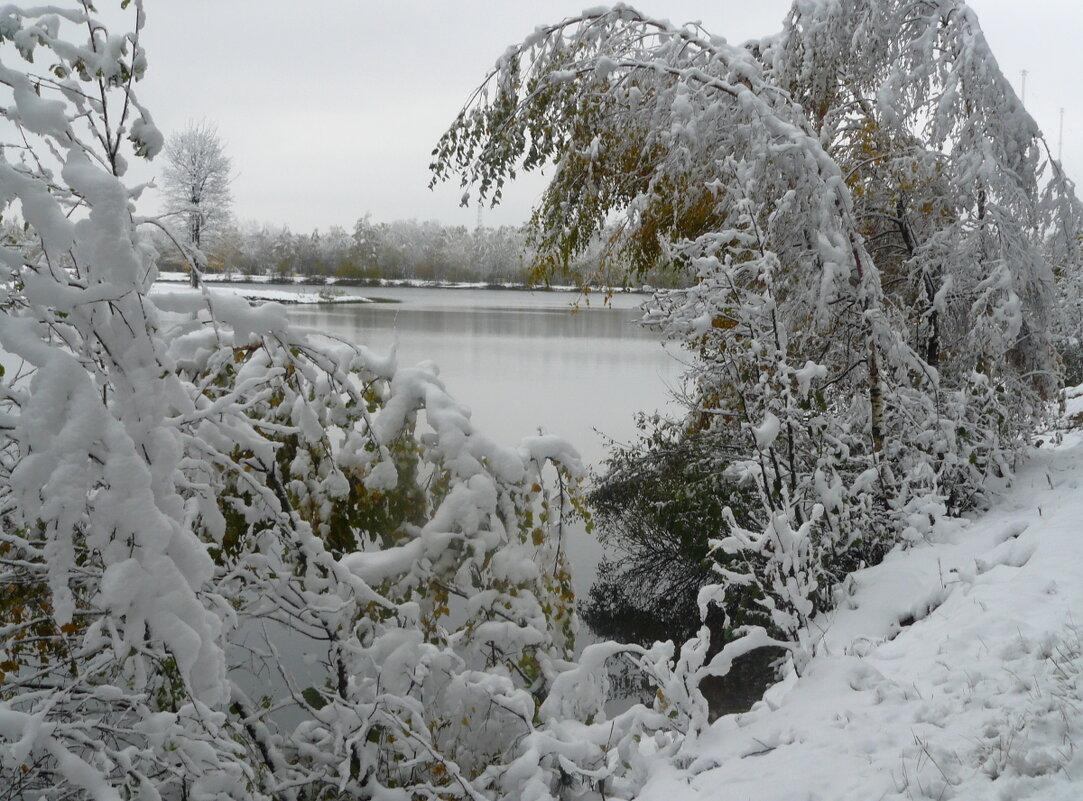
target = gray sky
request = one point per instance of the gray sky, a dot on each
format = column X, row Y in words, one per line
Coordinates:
column 332, row 112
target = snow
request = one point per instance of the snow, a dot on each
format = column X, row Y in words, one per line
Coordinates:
column 805, row 376
column 258, row 294
column 383, row 477
column 148, row 138
column 547, row 447
column 766, row 432
column 952, row 670
column 604, row 66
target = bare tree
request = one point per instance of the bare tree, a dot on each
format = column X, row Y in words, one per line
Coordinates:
column 195, row 182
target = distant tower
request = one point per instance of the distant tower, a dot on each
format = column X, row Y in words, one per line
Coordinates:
column 478, row 226
column 1023, row 93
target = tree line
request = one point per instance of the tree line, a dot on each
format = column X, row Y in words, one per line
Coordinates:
column 402, row 249
column 198, row 229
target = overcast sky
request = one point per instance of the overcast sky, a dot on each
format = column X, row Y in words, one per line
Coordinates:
column 331, row 111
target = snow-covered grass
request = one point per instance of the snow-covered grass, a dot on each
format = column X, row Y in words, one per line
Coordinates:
column 953, row 670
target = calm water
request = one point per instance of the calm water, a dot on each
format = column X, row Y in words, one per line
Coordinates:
column 522, row 361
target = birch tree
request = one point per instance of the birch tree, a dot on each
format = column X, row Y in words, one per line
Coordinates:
column 865, row 212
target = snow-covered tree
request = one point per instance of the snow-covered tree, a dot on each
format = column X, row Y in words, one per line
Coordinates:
column 190, row 487
column 865, row 211
column 105, row 604
column 196, row 178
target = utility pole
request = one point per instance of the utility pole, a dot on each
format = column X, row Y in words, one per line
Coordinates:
column 1060, row 137
column 1023, row 97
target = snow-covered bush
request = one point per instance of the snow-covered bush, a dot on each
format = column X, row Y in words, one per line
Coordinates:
column 419, row 566
column 240, row 560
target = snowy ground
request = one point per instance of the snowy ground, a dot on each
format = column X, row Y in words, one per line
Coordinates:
column 955, row 671
column 258, row 293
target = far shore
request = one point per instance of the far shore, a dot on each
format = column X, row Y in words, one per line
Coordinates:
column 376, row 283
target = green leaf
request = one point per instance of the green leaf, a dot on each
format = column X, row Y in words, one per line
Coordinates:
column 314, row 698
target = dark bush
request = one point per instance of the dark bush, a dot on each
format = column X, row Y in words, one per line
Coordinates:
column 657, row 507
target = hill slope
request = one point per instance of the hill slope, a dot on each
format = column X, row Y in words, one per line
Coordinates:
column 954, row 671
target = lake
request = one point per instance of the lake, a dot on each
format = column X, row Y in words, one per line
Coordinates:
column 522, row 361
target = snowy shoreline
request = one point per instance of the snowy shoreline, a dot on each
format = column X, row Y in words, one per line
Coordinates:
column 379, row 283
column 953, row 669
column 287, row 297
